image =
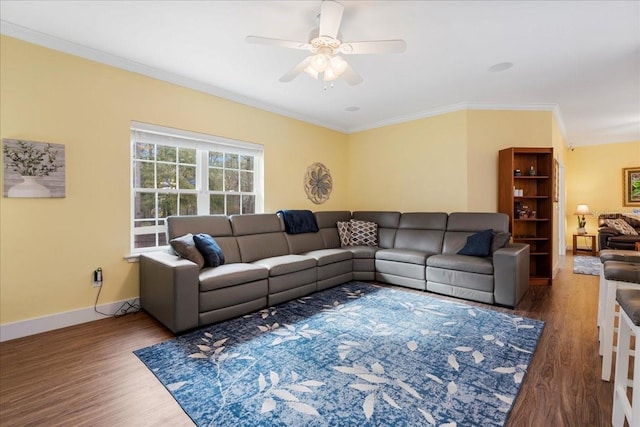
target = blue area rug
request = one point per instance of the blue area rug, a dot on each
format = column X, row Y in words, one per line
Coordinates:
column 587, row 265
column 356, row 354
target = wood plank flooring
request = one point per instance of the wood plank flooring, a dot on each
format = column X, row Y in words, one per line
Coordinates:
column 87, row 375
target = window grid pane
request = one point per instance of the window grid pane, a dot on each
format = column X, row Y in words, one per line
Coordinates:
column 167, row 180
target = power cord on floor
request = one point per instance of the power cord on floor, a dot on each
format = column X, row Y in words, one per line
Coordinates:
column 126, row 307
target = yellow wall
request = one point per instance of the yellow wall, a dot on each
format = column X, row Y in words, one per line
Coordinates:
column 49, row 247
column 594, row 177
column 416, row 166
column 490, row 131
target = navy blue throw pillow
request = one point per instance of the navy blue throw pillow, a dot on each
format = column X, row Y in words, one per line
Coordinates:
column 211, row 252
column 478, row 244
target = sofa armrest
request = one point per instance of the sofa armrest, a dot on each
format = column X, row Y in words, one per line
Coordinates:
column 603, row 235
column 510, row 274
column 169, row 290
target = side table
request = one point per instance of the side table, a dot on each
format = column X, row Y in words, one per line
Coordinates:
column 593, row 243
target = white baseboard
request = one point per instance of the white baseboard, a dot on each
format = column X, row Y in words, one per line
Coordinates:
column 24, row 328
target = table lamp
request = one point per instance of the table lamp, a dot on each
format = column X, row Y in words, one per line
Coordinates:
column 582, row 210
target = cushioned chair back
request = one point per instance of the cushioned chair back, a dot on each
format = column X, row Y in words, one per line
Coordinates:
column 259, row 236
column 217, row 226
column 328, row 229
column 302, row 242
column 387, row 225
column 421, row 231
column 463, row 224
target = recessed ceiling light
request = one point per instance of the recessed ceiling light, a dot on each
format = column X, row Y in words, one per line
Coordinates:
column 502, row 66
column 352, row 109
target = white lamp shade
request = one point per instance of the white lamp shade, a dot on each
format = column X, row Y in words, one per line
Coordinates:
column 583, row 210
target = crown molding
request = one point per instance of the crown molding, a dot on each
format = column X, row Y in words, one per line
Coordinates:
column 554, row 108
column 65, row 46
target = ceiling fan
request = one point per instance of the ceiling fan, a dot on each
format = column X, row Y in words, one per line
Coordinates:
column 325, row 46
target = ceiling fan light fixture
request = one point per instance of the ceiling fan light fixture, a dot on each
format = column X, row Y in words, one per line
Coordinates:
column 338, row 65
column 319, row 62
column 312, row 72
column 329, row 75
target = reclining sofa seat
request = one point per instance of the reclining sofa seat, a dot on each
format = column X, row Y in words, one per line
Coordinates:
column 418, row 236
column 183, row 297
column 364, row 256
column 262, row 242
column 334, row 264
column 490, row 280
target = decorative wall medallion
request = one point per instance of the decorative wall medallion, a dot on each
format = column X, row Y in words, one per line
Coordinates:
column 318, row 183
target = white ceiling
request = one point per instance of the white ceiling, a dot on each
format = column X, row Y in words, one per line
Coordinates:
column 580, row 59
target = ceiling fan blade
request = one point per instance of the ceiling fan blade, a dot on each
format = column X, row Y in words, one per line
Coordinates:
column 296, row 71
column 330, row 18
column 372, row 47
column 279, row 43
column 352, row 77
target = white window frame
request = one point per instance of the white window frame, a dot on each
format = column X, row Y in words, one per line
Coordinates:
column 203, row 143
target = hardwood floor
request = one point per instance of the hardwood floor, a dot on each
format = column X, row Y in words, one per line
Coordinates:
column 87, row 375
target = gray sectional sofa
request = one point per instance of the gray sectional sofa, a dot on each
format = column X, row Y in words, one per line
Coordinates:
column 265, row 266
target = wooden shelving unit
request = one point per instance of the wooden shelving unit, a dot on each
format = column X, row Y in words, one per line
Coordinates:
column 530, row 215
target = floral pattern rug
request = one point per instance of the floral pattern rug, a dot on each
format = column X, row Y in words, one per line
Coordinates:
column 354, row 355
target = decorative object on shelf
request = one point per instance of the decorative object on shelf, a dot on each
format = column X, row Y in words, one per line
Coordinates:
column 33, row 169
column 631, row 186
column 532, row 171
column 517, row 172
column 582, row 210
column 318, row 183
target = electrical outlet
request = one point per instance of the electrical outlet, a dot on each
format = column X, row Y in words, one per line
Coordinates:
column 96, row 277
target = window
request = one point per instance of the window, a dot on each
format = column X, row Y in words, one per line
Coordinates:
column 175, row 172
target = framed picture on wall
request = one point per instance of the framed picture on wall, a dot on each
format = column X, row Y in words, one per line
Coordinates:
column 33, row 169
column 631, row 186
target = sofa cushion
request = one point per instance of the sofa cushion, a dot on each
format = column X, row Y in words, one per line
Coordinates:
column 329, row 256
column 230, row 275
column 362, row 251
column 387, row 224
column 409, row 256
column 499, row 240
column 363, row 233
column 211, row 252
column 185, row 247
column 286, row 264
column 470, row 264
column 478, row 244
column 344, row 231
column 622, row 226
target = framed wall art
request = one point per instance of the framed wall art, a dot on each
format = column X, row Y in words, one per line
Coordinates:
column 33, row 169
column 631, row 186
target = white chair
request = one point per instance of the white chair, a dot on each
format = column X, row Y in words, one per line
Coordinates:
column 610, row 255
column 629, row 301
column 618, row 275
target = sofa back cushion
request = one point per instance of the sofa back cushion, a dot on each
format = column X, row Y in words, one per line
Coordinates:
column 301, row 242
column 217, row 226
column 421, row 231
column 327, row 224
column 463, row 224
column 259, row 236
column 387, row 225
